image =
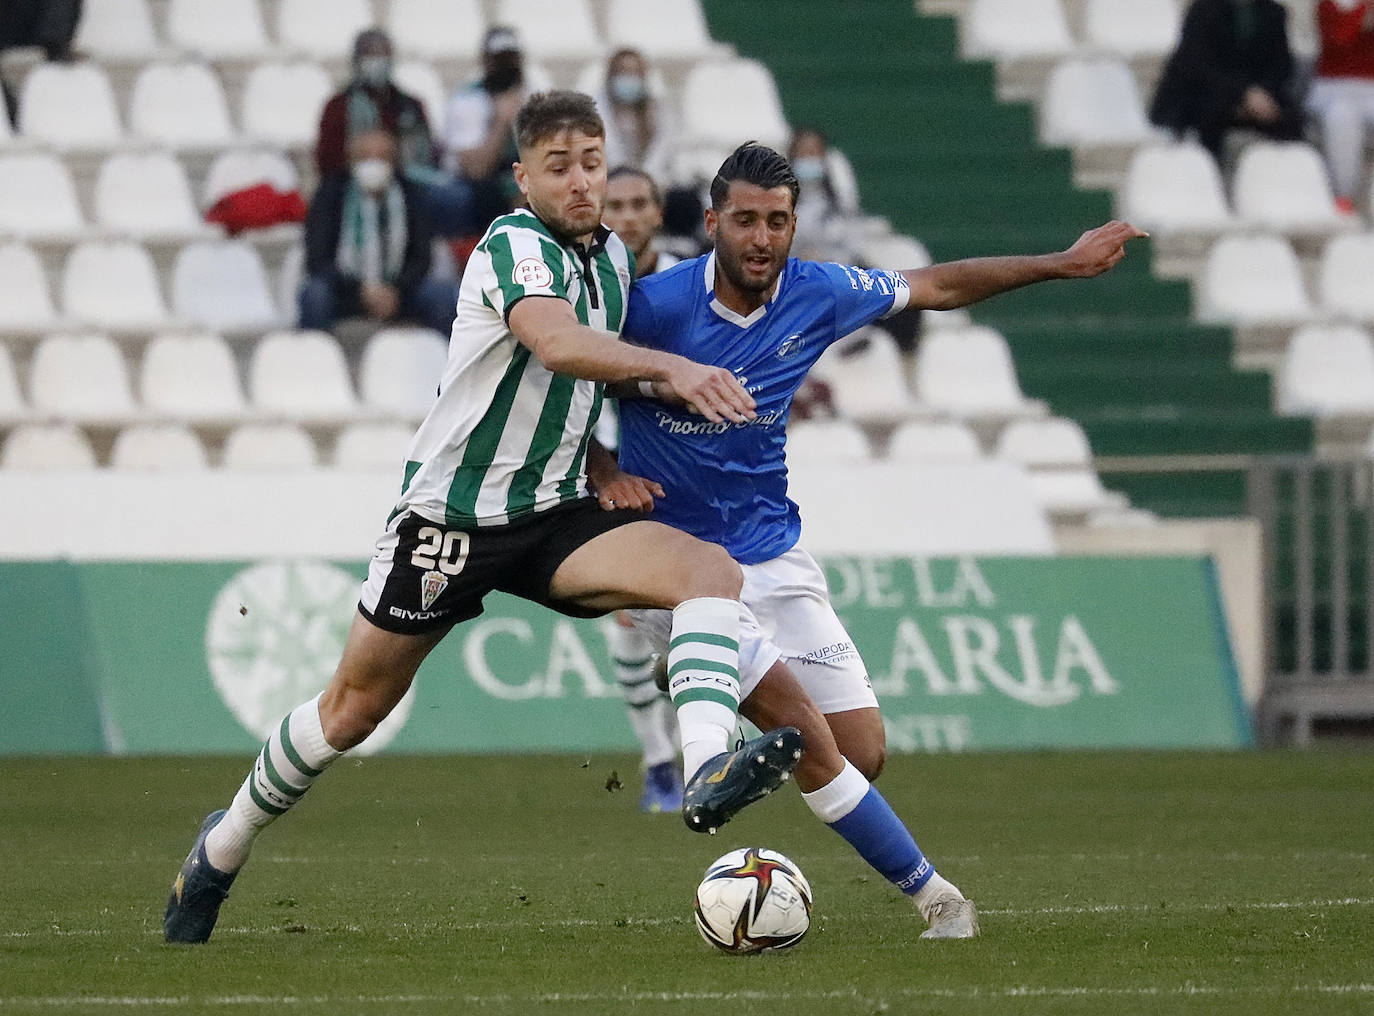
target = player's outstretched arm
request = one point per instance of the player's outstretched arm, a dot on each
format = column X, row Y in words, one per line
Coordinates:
column 564, row 345
column 960, row 283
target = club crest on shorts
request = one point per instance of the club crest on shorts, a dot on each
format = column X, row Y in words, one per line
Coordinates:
column 432, row 583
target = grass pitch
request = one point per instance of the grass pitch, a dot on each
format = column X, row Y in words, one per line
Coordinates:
column 1151, row 883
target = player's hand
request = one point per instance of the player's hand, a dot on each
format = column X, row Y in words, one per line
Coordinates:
column 713, row 392
column 1098, row 250
column 620, row 491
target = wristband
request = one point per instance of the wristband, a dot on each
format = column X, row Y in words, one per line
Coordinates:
column 646, row 388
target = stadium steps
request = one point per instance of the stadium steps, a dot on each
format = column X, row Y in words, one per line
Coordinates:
column 940, row 157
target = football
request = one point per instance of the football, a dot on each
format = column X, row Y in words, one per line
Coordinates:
column 753, row 899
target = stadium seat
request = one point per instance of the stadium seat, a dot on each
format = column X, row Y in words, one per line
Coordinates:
column 1346, row 278
column 726, row 103
column 420, row 79
column 146, row 196
column 1327, row 370
column 25, row 300
column 222, row 285
column 436, row 29
column 157, row 446
column 47, row 446
column 552, row 29
column 1002, row 29
column 38, row 198
column 372, row 446
column 1091, row 103
column 815, row 442
column 1284, row 187
column 1057, row 454
column 895, row 252
column 867, row 378
column 282, row 103
column 665, row 30
column 289, row 280
column 969, row 372
column 222, row 30
column 190, row 377
column 269, row 446
column 180, row 106
column 301, row 376
column 116, row 30
column 1252, row 280
column 1175, row 188
column 239, row 168
column 12, row 405
column 81, row 377
column 322, row 29
column 400, row 371
column 112, row 285
column 1132, row 28
column 933, row 441
column 70, row 107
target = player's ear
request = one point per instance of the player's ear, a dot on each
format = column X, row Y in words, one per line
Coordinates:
column 522, row 179
column 711, row 222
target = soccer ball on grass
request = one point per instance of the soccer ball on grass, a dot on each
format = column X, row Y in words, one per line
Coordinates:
column 753, row 899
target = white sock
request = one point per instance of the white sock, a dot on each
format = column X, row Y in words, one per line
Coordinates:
column 633, row 661
column 703, row 676
column 840, row 796
column 292, row 759
column 926, row 896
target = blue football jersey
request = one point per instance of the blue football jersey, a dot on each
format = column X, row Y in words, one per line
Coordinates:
column 726, row 482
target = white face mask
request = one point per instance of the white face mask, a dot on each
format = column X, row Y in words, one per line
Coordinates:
column 372, row 174
column 808, row 168
column 374, row 70
column 627, row 88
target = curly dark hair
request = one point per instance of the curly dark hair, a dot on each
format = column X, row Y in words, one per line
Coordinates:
column 545, row 114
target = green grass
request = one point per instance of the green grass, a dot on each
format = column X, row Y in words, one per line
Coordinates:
column 1150, row 883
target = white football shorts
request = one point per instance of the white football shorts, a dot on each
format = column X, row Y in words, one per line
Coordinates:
column 796, row 622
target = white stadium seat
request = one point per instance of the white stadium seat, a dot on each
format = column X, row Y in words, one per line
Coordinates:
column 552, row 29
column 400, row 371
column 436, row 29
column 239, row 168
column 25, row 299
column 81, row 377
column 12, row 405
column 663, row 30
column 372, row 446
column 47, row 446
column 1346, row 278
column 190, row 377
column 301, row 376
column 116, row 30
column 895, row 252
column 969, row 372
column 157, row 446
column 146, row 196
column 724, row 104
column 1133, row 28
column 933, row 441
column 1284, row 186
column 112, row 285
column 38, row 198
column 282, row 103
column 1175, row 188
column 323, row 29
column 1252, row 280
column 815, row 442
column 1092, row 102
column 222, row 285
column 867, row 378
column 1327, row 370
column 1002, row 29
column 217, row 30
column 180, row 106
column 1057, row 454
column 266, row 446
column 70, row 107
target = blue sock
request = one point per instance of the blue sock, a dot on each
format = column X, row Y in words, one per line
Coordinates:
column 875, row 831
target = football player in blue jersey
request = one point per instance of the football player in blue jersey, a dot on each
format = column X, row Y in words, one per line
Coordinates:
column 767, row 317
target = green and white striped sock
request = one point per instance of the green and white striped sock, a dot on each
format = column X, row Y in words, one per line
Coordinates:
column 649, row 712
column 703, row 676
column 292, row 759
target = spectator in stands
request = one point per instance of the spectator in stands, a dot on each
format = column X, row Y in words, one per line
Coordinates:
column 634, row 211
column 49, row 24
column 479, row 143
column 639, row 129
column 1342, row 94
column 367, row 245
column 829, row 201
column 1232, row 68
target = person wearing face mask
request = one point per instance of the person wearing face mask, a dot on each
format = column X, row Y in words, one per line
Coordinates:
column 1342, row 95
column 829, row 200
column 1232, row 68
column 478, row 139
column 639, row 130
column 367, row 245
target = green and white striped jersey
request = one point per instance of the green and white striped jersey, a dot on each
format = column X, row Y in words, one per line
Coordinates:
column 506, row 436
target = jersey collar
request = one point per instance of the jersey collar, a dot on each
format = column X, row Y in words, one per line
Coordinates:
column 709, row 282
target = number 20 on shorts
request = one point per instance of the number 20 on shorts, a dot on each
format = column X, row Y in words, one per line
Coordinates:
column 447, row 552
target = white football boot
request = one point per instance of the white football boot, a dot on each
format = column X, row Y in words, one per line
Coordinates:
column 950, row 915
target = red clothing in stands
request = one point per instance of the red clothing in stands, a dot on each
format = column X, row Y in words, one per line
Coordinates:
column 1347, row 49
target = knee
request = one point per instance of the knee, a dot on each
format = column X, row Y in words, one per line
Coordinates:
column 868, row 759
column 711, row 571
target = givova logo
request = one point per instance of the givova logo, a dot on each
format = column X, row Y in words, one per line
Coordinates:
column 273, row 637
